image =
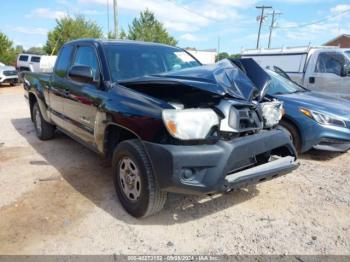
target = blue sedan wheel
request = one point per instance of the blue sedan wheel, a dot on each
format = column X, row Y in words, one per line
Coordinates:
column 292, row 132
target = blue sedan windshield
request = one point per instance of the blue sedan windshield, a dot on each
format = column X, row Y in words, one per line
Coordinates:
column 281, row 85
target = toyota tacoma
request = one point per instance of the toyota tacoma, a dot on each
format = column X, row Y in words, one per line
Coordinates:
column 163, row 121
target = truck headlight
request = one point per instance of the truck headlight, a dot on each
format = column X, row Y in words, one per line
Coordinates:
column 322, row 118
column 272, row 113
column 189, row 124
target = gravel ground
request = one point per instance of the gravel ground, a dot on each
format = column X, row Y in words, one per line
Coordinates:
column 56, row 199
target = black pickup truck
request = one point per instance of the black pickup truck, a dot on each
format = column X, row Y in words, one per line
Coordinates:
column 164, row 122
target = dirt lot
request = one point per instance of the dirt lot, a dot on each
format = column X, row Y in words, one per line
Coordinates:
column 56, row 199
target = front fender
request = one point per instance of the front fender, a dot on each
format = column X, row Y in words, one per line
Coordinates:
column 137, row 112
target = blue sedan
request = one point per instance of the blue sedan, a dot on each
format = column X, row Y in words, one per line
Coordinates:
column 312, row 120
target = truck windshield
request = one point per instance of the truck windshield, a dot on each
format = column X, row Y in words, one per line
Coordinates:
column 127, row 61
column 281, row 85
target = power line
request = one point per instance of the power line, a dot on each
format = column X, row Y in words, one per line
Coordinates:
column 315, row 22
column 203, row 16
column 191, row 11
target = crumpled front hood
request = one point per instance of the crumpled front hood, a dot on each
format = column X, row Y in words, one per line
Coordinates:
column 223, row 78
column 318, row 102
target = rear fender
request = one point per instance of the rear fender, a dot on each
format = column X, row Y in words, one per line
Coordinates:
column 36, row 89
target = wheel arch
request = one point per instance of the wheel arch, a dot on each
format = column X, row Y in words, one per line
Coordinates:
column 115, row 134
column 33, row 98
column 297, row 128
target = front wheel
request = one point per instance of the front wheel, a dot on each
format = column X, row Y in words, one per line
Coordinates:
column 135, row 183
column 43, row 129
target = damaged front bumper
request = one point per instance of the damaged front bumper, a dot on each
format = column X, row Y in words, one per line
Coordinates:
column 222, row 166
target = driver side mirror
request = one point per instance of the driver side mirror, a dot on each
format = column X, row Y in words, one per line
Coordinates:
column 345, row 70
column 82, row 74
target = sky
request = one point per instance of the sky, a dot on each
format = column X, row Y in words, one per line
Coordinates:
column 229, row 25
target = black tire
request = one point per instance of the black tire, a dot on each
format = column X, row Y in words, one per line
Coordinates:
column 43, row 129
column 292, row 131
column 151, row 199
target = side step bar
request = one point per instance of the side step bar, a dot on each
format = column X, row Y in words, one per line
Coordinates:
column 273, row 167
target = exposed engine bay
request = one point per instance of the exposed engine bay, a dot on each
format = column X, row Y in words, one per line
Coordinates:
column 224, row 100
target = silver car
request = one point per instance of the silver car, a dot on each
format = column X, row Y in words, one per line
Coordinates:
column 8, row 74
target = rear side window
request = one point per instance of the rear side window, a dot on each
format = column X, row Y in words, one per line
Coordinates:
column 35, row 59
column 23, row 58
column 63, row 61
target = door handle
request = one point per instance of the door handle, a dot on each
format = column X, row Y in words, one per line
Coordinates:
column 312, row 80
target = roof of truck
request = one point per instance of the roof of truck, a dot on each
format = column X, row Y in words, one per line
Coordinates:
column 119, row 41
column 286, row 50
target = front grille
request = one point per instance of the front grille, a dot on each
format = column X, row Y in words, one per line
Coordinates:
column 10, row 73
column 244, row 119
column 244, row 113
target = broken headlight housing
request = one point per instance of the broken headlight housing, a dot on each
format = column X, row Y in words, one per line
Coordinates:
column 272, row 113
column 190, row 124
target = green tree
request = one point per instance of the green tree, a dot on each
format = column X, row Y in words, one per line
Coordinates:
column 224, row 55
column 221, row 56
column 19, row 49
column 148, row 28
column 123, row 34
column 7, row 52
column 110, row 35
column 70, row 28
column 36, row 51
column 235, row 56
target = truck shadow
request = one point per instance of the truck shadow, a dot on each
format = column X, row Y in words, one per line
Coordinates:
column 81, row 169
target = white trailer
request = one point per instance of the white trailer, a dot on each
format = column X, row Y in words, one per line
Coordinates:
column 325, row 69
column 35, row 63
column 206, row 57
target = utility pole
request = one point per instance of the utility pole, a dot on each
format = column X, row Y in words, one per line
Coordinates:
column 218, row 45
column 263, row 7
column 108, row 30
column 273, row 20
column 115, row 14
